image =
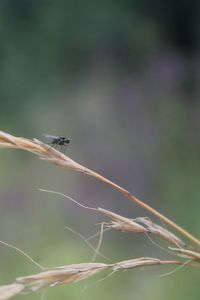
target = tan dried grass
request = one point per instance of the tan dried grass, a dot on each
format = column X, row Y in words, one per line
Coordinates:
column 76, row 272
column 186, row 253
column 10, row 290
column 61, row 275
column 135, row 226
column 45, row 152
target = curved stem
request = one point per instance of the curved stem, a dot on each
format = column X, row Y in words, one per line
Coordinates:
column 142, row 204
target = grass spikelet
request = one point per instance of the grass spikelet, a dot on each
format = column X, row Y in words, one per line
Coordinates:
column 121, row 223
column 192, row 255
column 161, row 232
column 140, row 225
column 77, row 272
column 141, row 262
column 61, row 275
column 10, row 290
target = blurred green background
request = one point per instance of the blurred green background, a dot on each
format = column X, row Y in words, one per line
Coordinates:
column 121, row 79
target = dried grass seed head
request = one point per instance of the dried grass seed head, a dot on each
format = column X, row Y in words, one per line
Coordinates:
column 135, row 263
column 189, row 254
column 161, row 232
column 121, row 223
column 62, row 275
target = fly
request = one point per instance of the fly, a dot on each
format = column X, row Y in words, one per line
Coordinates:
column 58, row 140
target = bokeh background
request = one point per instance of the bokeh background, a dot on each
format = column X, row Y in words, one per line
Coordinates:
column 121, row 79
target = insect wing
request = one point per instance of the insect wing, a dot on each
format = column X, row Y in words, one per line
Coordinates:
column 51, row 137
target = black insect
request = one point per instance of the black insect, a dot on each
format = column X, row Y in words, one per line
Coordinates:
column 58, row 140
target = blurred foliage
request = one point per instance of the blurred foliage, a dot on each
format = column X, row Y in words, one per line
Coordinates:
column 44, row 44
